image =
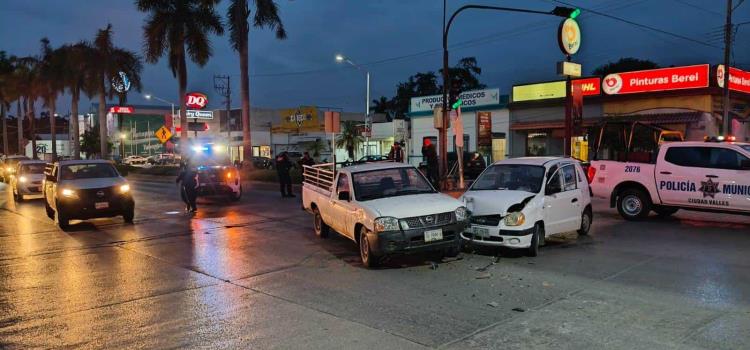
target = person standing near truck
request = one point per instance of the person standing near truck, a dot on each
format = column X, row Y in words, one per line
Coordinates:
column 305, row 160
column 397, row 153
column 189, row 189
column 283, row 166
column 430, row 155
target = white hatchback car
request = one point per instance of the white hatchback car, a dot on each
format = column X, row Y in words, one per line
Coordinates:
column 27, row 179
column 517, row 202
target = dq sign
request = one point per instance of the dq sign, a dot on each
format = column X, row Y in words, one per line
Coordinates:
column 196, row 100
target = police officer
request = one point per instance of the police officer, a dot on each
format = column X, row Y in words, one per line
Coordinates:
column 283, row 166
column 430, row 155
column 189, row 189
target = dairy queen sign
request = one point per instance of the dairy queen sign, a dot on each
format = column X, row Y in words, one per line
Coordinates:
column 473, row 98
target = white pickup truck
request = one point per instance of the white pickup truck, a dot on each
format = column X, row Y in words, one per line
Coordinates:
column 386, row 208
column 704, row 176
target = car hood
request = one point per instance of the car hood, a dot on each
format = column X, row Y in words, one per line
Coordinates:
column 412, row 205
column 84, row 184
column 488, row 202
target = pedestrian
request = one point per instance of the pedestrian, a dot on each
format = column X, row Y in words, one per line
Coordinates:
column 189, row 187
column 397, row 153
column 430, row 156
column 283, row 166
column 305, row 160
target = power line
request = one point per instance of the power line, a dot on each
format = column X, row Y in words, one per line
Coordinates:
column 644, row 26
column 699, row 7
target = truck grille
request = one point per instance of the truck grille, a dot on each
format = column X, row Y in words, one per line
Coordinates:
column 486, row 220
column 428, row 220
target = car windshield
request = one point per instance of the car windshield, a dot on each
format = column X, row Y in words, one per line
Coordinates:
column 382, row 183
column 87, row 171
column 516, row 177
column 32, row 168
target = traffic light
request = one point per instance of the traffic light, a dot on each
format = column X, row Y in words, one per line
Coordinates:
column 566, row 12
column 454, row 94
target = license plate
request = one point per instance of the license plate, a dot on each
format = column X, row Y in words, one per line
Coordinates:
column 433, row 235
column 101, row 205
column 480, row 232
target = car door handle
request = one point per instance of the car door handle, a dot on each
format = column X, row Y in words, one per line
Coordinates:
column 665, row 173
column 712, row 176
column 574, row 200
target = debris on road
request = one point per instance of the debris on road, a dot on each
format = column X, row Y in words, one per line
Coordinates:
column 484, row 275
column 493, row 304
column 519, row 309
column 433, row 265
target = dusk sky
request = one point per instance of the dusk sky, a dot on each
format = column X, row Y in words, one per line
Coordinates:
column 392, row 38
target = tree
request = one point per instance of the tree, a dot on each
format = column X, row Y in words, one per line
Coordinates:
column 625, row 64
column 105, row 61
column 180, row 28
column 349, row 138
column 385, row 106
column 27, row 81
column 266, row 15
column 90, row 142
column 316, row 147
column 7, row 94
column 465, row 74
column 77, row 78
column 51, row 68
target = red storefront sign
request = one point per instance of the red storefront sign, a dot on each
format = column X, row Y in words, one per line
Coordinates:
column 739, row 80
column 196, row 100
column 663, row 79
column 121, row 109
column 589, row 86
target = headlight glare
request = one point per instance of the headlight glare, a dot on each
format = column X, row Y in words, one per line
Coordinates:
column 22, row 179
column 462, row 214
column 386, row 223
column 514, row 219
column 125, row 188
column 66, row 192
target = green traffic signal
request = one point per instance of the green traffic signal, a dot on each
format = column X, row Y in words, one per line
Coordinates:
column 575, row 13
column 457, row 104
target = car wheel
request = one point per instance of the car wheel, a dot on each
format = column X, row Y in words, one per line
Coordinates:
column 633, row 204
column 62, row 219
column 50, row 212
column 17, row 197
column 235, row 196
column 665, row 211
column 129, row 215
column 452, row 252
column 536, row 238
column 365, row 251
column 321, row 229
column 586, row 220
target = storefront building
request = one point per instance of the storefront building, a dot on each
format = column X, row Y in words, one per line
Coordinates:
column 485, row 124
column 686, row 99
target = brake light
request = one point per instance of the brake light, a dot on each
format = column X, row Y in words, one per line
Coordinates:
column 590, row 173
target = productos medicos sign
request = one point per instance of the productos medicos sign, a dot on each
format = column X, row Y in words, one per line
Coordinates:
column 663, row 79
column 473, row 98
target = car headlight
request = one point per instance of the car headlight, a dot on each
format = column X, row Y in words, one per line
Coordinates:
column 514, row 219
column 462, row 214
column 22, row 179
column 125, row 188
column 386, row 223
column 66, row 192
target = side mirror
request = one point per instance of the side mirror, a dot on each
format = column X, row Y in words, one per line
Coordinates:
column 344, row 196
column 745, row 164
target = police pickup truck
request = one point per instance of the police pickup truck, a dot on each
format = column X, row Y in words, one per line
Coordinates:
column 713, row 175
column 386, row 208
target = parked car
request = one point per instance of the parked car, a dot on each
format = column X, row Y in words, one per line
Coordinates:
column 135, row 160
column 8, row 166
column 27, row 179
column 517, row 203
column 262, row 163
column 164, row 159
column 386, row 208
column 86, row 189
column 705, row 176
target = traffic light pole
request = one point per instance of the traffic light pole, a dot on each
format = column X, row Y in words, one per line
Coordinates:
column 443, row 132
column 568, row 115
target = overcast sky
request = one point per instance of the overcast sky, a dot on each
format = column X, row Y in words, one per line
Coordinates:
column 392, row 38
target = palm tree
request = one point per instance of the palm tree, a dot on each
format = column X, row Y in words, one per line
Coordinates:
column 266, row 15
column 180, row 28
column 28, row 83
column 350, row 137
column 106, row 61
column 51, row 70
column 6, row 94
column 77, row 79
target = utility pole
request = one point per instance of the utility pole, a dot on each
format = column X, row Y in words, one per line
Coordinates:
column 223, row 87
column 727, row 125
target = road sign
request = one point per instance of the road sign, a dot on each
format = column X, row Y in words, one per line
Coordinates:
column 163, row 134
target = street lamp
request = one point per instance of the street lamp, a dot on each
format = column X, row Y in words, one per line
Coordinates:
column 122, row 144
column 150, row 96
column 341, row 58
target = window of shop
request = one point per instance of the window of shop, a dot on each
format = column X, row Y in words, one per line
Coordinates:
column 466, row 143
column 536, row 144
column 498, row 146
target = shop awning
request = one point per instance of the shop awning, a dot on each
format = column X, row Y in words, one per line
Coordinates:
column 659, row 118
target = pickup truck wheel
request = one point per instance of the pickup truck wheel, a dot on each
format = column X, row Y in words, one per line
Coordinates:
column 62, row 219
column 633, row 204
column 536, row 237
column 321, row 229
column 365, row 252
column 18, row 197
column 665, row 211
column 50, row 212
column 235, row 196
column 586, row 219
column 128, row 215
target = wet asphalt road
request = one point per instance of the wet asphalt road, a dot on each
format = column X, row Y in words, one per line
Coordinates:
column 252, row 275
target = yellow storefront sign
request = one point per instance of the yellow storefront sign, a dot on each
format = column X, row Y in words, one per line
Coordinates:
column 302, row 119
column 541, row 91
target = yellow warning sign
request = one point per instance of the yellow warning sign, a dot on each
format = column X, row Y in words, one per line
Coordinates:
column 163, row 134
